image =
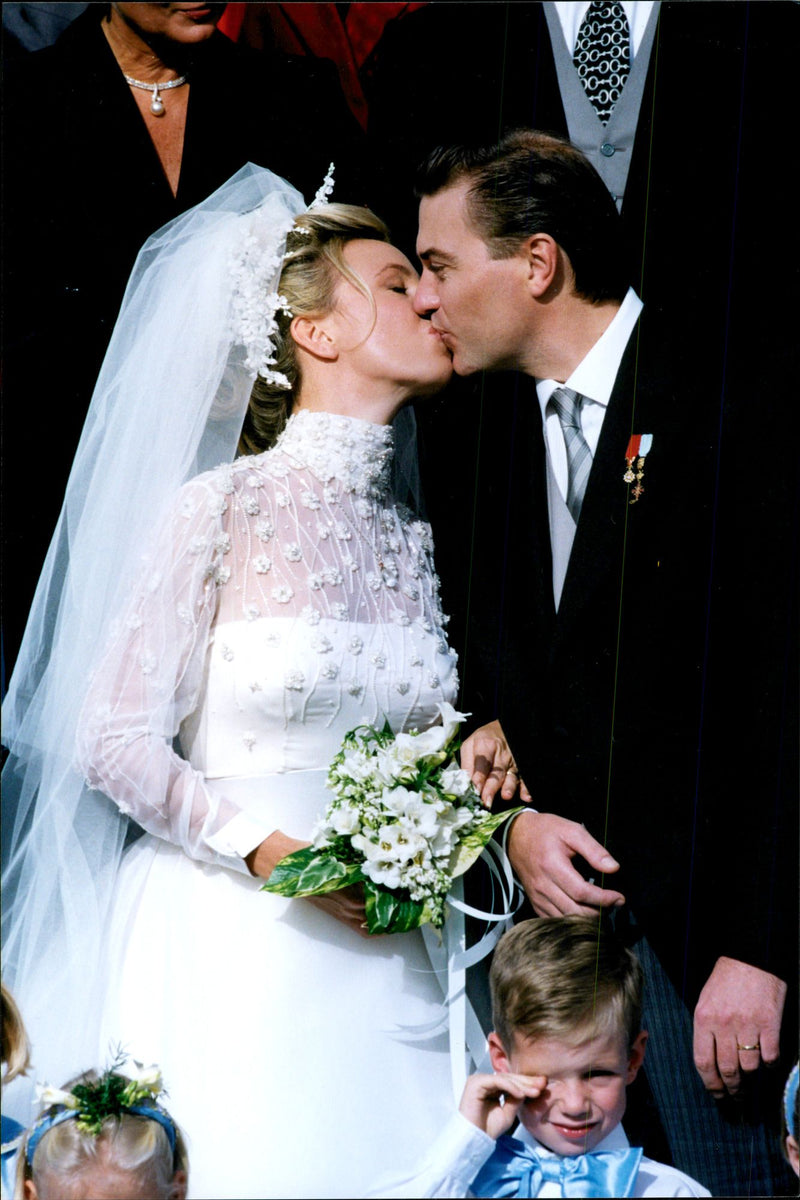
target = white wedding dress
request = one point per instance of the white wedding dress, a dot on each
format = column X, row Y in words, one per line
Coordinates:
column 291, row 600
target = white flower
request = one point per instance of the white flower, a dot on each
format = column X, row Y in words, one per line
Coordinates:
column 292, row 552
column 282, row 594
column 251, row 506
column 310, row 614
column 378, row 866
column 264, row 530
column 332, row 576
column 340, row 611
column 345, row 819
column 47, row 1095
column 261, row 564
column 355, row 764
column 450, row 719
column 146, row 1077
column 324, row 190
column 454, row 781
column 414, row 809
column 309, row 500
column 321, row 643
column 294, row 680
column 355, row 645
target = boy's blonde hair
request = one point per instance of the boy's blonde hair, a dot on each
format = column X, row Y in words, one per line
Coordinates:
column 568, row 978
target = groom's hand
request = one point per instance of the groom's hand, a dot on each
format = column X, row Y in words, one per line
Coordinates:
column 737, row 1024
column 541, row 847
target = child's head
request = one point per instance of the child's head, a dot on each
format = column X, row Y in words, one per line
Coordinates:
column 97, row 1140
column 790, row 1120
column 567, row 1003
column 15, row 1040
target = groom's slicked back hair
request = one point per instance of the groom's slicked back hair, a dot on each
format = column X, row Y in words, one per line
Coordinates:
column 531, row 182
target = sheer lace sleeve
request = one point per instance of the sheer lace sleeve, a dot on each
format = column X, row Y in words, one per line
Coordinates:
column 149, row 679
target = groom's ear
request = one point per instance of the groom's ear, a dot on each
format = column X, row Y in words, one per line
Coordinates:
column 543, row 259
column 311, row 333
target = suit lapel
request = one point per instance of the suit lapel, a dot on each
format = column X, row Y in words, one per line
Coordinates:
column 604, row 523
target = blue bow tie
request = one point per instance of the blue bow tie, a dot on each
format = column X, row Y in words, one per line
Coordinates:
column 515, row 1170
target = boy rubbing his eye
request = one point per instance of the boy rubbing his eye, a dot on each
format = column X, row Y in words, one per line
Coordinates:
column 566, row 1006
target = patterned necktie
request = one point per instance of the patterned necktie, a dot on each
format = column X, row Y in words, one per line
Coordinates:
column 602, row 55
column 567, row 405
column 516, row 1170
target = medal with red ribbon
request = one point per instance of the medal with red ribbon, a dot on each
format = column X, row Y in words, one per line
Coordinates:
column 638, row 448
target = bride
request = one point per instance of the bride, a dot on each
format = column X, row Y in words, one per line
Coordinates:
column 234, row 628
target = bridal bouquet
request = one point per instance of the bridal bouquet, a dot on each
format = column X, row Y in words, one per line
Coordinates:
column 404, row 820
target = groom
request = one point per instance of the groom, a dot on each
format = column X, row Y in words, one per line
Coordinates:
column 603, row 625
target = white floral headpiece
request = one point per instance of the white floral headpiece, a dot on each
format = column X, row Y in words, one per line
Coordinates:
column 256, row 304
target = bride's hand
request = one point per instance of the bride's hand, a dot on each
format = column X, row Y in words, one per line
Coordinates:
column 346, row 905
column 487, row 757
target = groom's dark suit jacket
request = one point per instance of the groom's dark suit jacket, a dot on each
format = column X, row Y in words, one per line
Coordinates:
column 690, row 646
column 658, row 706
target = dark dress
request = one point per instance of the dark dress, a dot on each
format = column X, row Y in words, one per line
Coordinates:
column 83, row 190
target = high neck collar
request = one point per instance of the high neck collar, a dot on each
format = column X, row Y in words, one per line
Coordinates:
column 356, row 453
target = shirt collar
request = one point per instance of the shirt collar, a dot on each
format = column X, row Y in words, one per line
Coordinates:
column 596, row 373
column 615, row 1140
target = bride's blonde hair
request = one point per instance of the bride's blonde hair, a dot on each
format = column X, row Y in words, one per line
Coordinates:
column 312, row 267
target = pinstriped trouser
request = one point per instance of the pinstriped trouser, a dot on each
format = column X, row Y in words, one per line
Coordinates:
column 720, row 1144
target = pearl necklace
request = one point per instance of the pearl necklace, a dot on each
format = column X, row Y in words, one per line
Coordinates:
column 156, row 104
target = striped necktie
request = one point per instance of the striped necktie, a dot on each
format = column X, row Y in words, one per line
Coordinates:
column 567, row 405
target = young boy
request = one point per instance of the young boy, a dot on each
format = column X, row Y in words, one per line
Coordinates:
column 566, row 1005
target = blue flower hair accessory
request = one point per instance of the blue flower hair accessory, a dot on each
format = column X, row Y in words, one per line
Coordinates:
column 91, row 1103
column 790, row 1100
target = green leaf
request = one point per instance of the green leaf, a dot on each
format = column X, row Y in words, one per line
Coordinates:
column 389, row 912
column 469, row 848
column 308, row 872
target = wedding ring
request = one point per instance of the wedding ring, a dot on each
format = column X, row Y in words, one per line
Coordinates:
column 739, row 1046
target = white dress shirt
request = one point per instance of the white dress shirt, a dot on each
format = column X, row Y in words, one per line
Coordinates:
column 594, row 378
column 462, row 1149
column 571, row 15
